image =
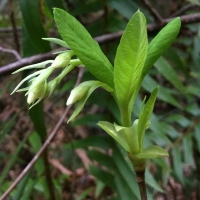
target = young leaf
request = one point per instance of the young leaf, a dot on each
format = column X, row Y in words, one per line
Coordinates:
column 129, row 62
column 161, row 42
column 111, row 130
column 81, row 42
column 131, row 136
column 153, row 152
column 145, row 117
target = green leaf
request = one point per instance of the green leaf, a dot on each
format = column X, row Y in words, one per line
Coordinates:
column 178, row 164
column 188, row 150
column 29, row 189
column 33, row 25
column 164, row 94
column 12, row 160
column 144, row 117
column 161, row 42
column 22, row 185
column 129, row 62
column 125, row 7
column 103, row 142
column 98, row 189
column 130, row 135
column 57, row 41
column 102, row 158
column 110, row 129
column 179, row 119
column 81, row 42
column 104, row 176
column 37, row 117
column 150, row 180
column 85, row 193
column 125, row 174
column 153, row 152
column 196, row 136
column 169, row 73
column 7, row 127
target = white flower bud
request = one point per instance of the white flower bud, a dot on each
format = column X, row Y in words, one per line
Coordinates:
column 62, row 60
column 37, row 92
column 77, row 93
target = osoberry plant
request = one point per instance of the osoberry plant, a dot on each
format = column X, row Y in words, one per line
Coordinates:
column 133, row 60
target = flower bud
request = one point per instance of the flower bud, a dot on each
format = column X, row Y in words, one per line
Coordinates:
column 37, row 92
column 62, row 60
column 78, row 93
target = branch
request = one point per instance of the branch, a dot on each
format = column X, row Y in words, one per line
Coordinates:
column 7, row 69
column 14, row 52
column 44, row 146
column 183, row 9
column 12, row 19
column 153, row 11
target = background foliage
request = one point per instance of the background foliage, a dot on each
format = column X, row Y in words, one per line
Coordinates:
column 82, row 162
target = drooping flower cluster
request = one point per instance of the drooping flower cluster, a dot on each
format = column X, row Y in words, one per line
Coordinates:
column 39, row 86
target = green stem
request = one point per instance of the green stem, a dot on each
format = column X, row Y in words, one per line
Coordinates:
column 125, row 117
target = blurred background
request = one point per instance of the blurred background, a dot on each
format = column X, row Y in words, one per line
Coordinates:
column 83, row 162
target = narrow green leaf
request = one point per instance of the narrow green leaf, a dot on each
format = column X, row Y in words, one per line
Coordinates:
column 123, row 190
column 145, row 117
column 196, row 136
column 29, row 189
column 125, row 7
column 105, row 176
column 164, row 94
column 35, row 142
column 57, row 41
column 12, row 160
column 178, row 164
column 179, row 119
column 85, row 193
column 126, row 175
column 129, row 62
column 5, row 128
column 104, row 142
column 98, row 189
column 102, row 158
column 22, row 185
column 150, row 180
column 161, row 42
column 33, row 23
column 188, row 150
column 153, row 152
column 37, row 117
column 81, row 42
column 28, row 46
column 169, row 73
